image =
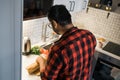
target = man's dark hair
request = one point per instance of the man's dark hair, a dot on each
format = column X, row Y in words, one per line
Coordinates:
column 60, row 14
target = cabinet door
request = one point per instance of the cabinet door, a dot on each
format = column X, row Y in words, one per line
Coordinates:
column 72, row 5
column 84, row 4
column 63, row 2
column 80, row 5
column 77, row 5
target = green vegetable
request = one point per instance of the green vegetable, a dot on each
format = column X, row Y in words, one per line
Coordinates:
column 35, row 50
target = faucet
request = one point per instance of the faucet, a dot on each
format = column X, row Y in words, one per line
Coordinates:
column 43, row 35
column 44, row 29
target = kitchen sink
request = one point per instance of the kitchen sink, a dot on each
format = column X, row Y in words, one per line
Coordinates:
column 47, row 46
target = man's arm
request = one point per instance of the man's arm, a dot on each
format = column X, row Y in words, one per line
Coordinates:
column 50, row 70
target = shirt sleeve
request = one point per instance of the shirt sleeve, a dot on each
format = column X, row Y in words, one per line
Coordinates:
column 54, row 65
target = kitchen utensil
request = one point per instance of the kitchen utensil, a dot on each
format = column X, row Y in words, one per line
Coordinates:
column 26, row 45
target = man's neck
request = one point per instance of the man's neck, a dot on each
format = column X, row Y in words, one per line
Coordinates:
column 67, row 27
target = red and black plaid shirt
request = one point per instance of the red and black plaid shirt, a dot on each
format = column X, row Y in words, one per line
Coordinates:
column 70, row 57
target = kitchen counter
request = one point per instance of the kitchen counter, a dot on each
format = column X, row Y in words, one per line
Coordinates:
column 103, row 51
column 109, row 56
column 27, row 60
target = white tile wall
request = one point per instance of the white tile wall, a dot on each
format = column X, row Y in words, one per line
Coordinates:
column 97, row 22
column 33, row 29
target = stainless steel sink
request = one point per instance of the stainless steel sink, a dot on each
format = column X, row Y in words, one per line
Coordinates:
column 47, row 46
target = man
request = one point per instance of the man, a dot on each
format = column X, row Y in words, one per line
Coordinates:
column 70, row 57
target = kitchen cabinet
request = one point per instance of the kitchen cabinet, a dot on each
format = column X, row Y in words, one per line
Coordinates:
column 36, row 8
column 107, row 60
column 72, row 5
column 107, row 5
column 105, row 67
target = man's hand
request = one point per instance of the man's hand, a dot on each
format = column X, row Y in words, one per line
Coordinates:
column 42, row 63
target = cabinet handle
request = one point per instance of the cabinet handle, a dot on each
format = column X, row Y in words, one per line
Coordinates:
column 73, row 5
column 70, row 5
column 108, row 15
column 85, row 2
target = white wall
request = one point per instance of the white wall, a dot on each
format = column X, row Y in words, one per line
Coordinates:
column 95, row 20
column 10, row 35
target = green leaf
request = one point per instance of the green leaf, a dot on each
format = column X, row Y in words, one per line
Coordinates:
column 35, row 50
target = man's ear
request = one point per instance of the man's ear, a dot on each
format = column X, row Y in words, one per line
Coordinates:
column 54, row 23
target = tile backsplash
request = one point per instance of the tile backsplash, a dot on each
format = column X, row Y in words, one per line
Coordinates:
column 95, row 20
column 33, row 29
